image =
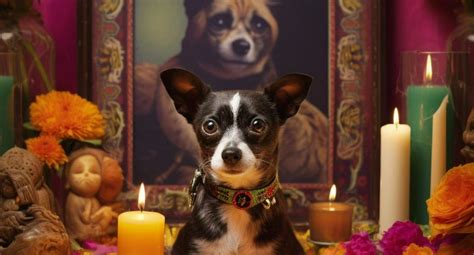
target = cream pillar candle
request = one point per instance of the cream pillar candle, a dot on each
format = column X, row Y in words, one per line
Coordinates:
column 394, row 173
column 438, row 145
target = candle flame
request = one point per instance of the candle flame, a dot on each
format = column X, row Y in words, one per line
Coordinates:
column 396, row 120
column 428, row 70
column 332, row 193
column 141, row 197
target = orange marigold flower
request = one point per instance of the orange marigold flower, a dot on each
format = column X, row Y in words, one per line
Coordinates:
column 67, row 116
column 414, row 249
column 48, row 150
column 451, row 206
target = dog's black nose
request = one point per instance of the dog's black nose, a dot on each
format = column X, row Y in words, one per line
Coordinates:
column 232, row 155
column 241, row 47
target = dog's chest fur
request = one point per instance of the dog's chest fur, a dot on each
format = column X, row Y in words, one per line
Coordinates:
column 217, row 228
column 239, row 237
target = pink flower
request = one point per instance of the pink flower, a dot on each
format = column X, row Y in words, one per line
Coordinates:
column 99, row 249
column 360, row 244
column 400, row 235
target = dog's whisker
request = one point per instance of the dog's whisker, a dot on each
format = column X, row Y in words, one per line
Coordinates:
column 205, row 164
column 268, row 163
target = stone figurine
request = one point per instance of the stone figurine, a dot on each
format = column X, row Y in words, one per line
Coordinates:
column 468, row 138
column 26, row 227
column 91, row 175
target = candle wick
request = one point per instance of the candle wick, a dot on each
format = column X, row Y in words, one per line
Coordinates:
column 396, row 125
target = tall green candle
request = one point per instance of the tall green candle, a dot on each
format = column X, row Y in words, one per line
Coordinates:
column 6, row 114
column 422, row 103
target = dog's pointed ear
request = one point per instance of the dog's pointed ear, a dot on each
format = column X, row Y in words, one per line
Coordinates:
column 186, row 90
column 288, row 92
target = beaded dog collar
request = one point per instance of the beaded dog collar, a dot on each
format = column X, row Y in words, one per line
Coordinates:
column 240, row 198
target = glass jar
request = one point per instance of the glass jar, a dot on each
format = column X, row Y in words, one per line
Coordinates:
column 23, row 34
column 462, row 39
column 434, row 84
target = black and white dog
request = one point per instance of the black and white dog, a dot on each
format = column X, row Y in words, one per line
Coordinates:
column 238, row 207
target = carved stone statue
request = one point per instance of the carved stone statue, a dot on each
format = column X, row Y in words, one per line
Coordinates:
column 21, row 160
column 468, row 137
column 25, row 226
column 85, row 216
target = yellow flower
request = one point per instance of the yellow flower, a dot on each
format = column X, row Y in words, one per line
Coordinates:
column 414, row 249
column 337, row 249
column 451, row 206
column 48, row 150
column 66, row 116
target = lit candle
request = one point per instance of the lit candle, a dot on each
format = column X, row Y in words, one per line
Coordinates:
column 6, row 114
column 394, row 173
column 141, row 232
column 422, row 103
column 330, row 222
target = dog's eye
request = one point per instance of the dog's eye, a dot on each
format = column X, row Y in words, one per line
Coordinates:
column 209, row 127
column 221, row 21
column 259, row 25
column 258, row 125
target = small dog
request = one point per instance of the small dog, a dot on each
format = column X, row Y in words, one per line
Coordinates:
column 238, row 206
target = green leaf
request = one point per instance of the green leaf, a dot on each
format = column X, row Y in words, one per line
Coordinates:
column 29, row 126
column 75, row 245
column 39, row 66
column 93, row 141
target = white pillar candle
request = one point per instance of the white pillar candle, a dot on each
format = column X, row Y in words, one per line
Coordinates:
column 438, row 145
column 394, row 173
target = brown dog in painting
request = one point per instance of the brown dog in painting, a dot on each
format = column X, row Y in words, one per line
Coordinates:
column 229, row 39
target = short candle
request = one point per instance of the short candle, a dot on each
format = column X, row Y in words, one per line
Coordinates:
column 330, row 222
column 141, row 232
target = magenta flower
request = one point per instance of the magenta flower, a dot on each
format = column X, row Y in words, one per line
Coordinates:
column 99, row 249
column 400, row 235
column 360, row 244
